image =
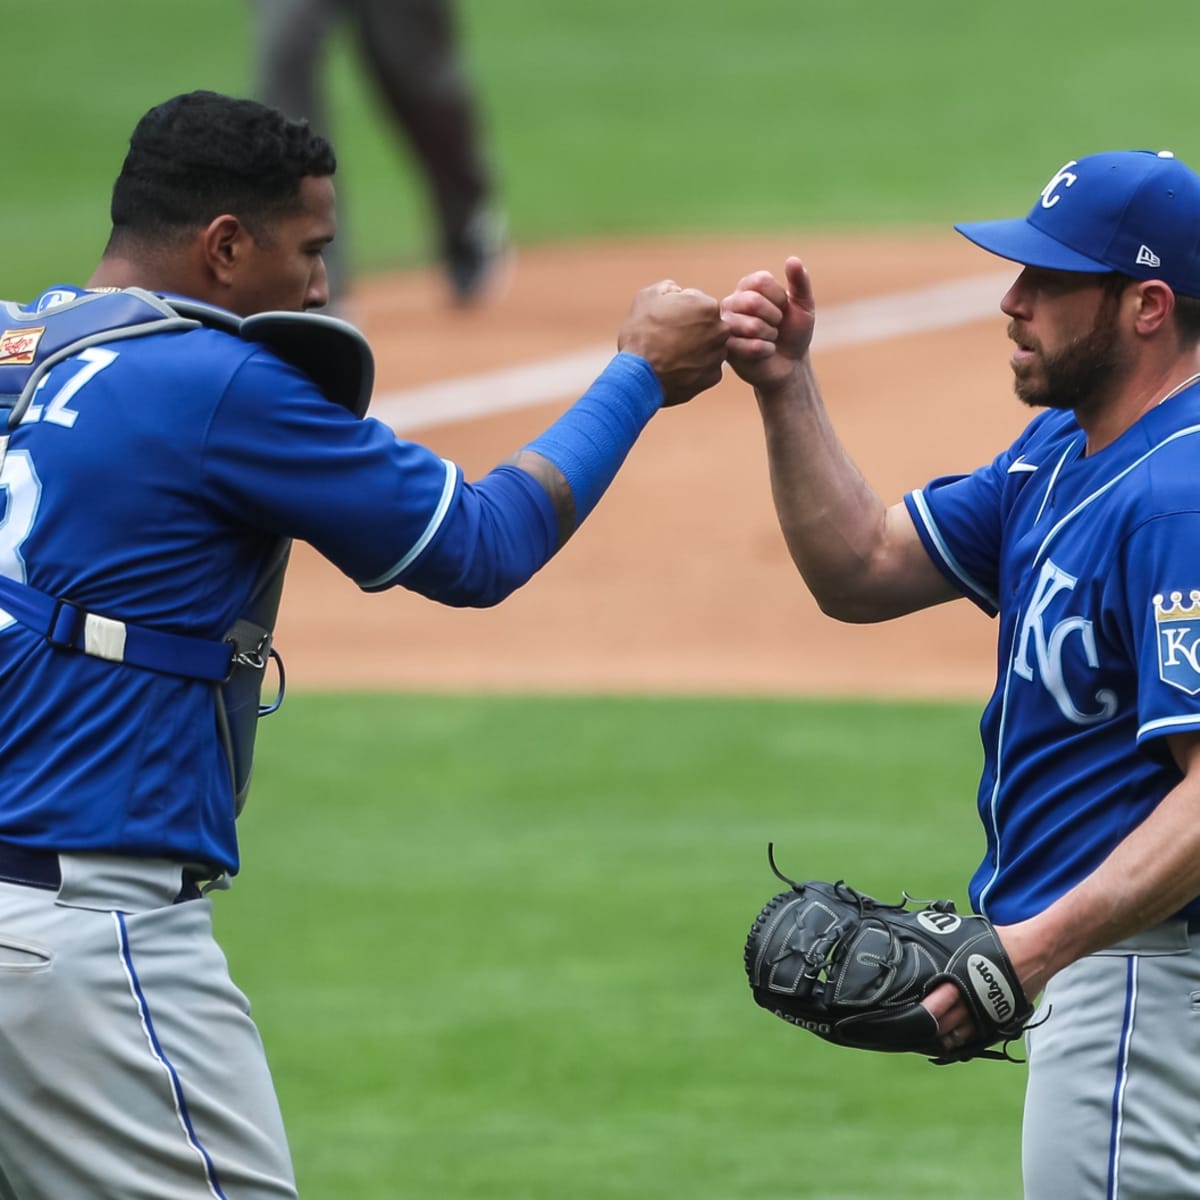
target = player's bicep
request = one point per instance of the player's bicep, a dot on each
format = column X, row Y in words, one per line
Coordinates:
column 1185, row 750
column 900, row 577
column 892, row 576
column 915, row 577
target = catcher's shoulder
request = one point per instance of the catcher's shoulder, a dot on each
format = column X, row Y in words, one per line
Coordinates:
column 333, row 353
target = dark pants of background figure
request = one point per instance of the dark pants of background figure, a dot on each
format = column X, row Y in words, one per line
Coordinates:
column 410, row 48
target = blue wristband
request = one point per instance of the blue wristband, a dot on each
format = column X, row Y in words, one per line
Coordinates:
column 590, row 441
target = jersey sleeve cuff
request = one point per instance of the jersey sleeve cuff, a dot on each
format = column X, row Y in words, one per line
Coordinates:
column 942, row 556
column 450, row 485
column 1162, row 727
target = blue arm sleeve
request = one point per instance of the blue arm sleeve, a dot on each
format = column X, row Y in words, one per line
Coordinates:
column 590, row 441
column 497, row 533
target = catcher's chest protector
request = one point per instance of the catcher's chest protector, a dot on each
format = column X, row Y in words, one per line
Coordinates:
column 332, row 353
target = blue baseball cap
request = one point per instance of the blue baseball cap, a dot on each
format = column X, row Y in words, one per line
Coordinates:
column 1132, row 211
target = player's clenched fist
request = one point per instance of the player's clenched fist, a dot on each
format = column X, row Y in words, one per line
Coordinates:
column 770, row 324
column 680, row 333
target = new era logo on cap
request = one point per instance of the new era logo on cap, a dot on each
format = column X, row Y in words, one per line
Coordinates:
column 1132, row 211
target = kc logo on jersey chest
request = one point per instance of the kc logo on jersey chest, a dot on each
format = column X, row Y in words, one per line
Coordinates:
column 1177, row 626
column 1043, row 645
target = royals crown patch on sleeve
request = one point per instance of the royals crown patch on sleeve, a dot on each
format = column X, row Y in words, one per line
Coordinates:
column 1177, row 628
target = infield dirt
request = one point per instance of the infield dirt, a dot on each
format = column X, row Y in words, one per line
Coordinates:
column 679, row 582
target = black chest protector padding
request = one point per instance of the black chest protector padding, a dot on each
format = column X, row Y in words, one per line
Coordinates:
column 331, row 352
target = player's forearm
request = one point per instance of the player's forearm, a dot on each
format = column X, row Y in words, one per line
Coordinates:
column 554, row 483
column 578, row 457
column 835, row 525
column 501, row 530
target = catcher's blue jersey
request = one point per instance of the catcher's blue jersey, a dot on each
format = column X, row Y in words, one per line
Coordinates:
column 146, row 482
column 1092, row 563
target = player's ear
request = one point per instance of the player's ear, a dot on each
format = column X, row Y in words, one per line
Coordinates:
column 222, row 244
column 1155, row 302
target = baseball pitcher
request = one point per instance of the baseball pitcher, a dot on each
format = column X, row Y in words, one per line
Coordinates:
column 1081, row 538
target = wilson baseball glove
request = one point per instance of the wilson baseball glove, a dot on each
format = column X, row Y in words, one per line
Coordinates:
column 830, row 959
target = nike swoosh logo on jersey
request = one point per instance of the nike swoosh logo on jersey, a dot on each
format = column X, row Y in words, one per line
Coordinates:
column 1019, row 464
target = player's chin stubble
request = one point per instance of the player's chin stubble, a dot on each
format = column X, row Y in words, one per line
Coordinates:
column 1080, row 373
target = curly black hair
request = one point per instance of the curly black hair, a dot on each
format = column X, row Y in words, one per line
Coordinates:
column 202, row 154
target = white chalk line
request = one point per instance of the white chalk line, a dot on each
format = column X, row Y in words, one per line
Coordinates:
column 922, row 310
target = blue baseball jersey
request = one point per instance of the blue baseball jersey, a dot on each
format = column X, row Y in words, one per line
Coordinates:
column 147, row 481
column 1091, row 563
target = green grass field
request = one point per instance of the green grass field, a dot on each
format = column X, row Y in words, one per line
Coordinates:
column 494, row 944
column 495, row 947
column 626, row 116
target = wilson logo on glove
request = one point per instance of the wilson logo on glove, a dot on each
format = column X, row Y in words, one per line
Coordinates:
column 939, row 921
column 853, row 970
column 989, row 985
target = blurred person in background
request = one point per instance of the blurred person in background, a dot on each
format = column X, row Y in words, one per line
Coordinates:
column 412, row 54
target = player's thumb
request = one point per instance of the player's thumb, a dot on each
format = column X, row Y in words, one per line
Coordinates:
column 799, row 285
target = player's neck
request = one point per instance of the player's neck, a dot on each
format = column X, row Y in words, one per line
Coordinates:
column 155, row 274
column 1143, row 392
column 123, row 273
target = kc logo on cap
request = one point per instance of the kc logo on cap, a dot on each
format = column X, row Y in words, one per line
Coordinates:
column 1132, row 211
column 1064, row 178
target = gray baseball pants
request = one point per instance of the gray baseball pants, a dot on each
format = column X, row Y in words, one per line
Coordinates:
column 1112, row 1109
column 129, row 1066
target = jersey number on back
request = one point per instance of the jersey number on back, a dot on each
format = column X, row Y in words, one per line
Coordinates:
column 20, row 487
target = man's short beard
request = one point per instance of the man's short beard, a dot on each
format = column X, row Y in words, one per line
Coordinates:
column 1083, row 372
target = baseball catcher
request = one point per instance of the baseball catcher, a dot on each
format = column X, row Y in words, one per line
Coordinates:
column 853, row 970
